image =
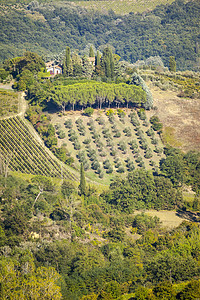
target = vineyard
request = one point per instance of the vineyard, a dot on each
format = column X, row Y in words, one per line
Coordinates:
column 23, row 153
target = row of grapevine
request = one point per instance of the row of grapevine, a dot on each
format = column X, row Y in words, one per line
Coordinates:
column 25, row 153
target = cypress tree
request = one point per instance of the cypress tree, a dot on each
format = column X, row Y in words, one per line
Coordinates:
column 98, row 64
column 82, row 186
column 108, row 63
column 91, row 53
column 67, row 65
column 172, row 64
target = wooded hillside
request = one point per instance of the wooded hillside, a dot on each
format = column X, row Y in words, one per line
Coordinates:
column 47, row 29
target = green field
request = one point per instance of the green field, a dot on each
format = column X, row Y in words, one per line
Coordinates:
column 118, row 6
column 109, row 146
column 9, row 103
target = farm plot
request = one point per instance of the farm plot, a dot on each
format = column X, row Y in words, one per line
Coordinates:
column 110, row 143
column 21, row 152
column 9, row 102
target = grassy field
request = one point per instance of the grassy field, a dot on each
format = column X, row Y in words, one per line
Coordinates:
column 123, row 6
column 103, row 143
column 9, row 103
column 180, row 118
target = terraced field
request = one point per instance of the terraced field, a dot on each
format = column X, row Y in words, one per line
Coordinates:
column 108, row 145
column 23, row 153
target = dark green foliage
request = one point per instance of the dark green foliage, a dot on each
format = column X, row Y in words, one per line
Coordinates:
column 144, row 222
column 142, row 189
column 172, row 64
column 91, row 52
column 191, row 291
column 156, row 124
column 68, row 123
column 102, row 260
column 50, row 34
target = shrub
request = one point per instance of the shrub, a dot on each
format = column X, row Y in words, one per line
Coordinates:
column 89, row 111
column 127, row 131
column 68, row 123
column 101, row 121
column 110, row 112
column 106, row 164
column 57, row 126
column 117, row 134
column 121, row 169
column 95, row 165
column 148, row 154
column 121, row 113
column 61, row 134
column 150, row 132
column 79, row 122
column 154, row 141
column 142, row 114
column 110, row 170
column 87, row 141
column 130, row 166
column 156, row 124
column 77, row 145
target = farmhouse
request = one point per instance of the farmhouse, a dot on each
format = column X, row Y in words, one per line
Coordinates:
column 53, row 69
column 92, row 61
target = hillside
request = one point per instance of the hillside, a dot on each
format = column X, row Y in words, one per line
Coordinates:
column 110, row 144
column 47, row 29
column 124, row 6
column 21, row 149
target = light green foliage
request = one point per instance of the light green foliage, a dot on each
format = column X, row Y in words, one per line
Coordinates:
column 31, row 283
column 88, row 93
column 89, row 111
column 137, row 80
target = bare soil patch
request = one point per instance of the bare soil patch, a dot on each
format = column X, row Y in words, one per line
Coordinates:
column 181, row 114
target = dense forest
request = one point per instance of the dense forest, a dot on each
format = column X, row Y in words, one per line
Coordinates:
column 47, row 28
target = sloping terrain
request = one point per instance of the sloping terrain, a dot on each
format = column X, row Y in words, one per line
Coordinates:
column 22, row 152
column 49, row 27
column 109, row 144
column 180, row 117
column 124, row 6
